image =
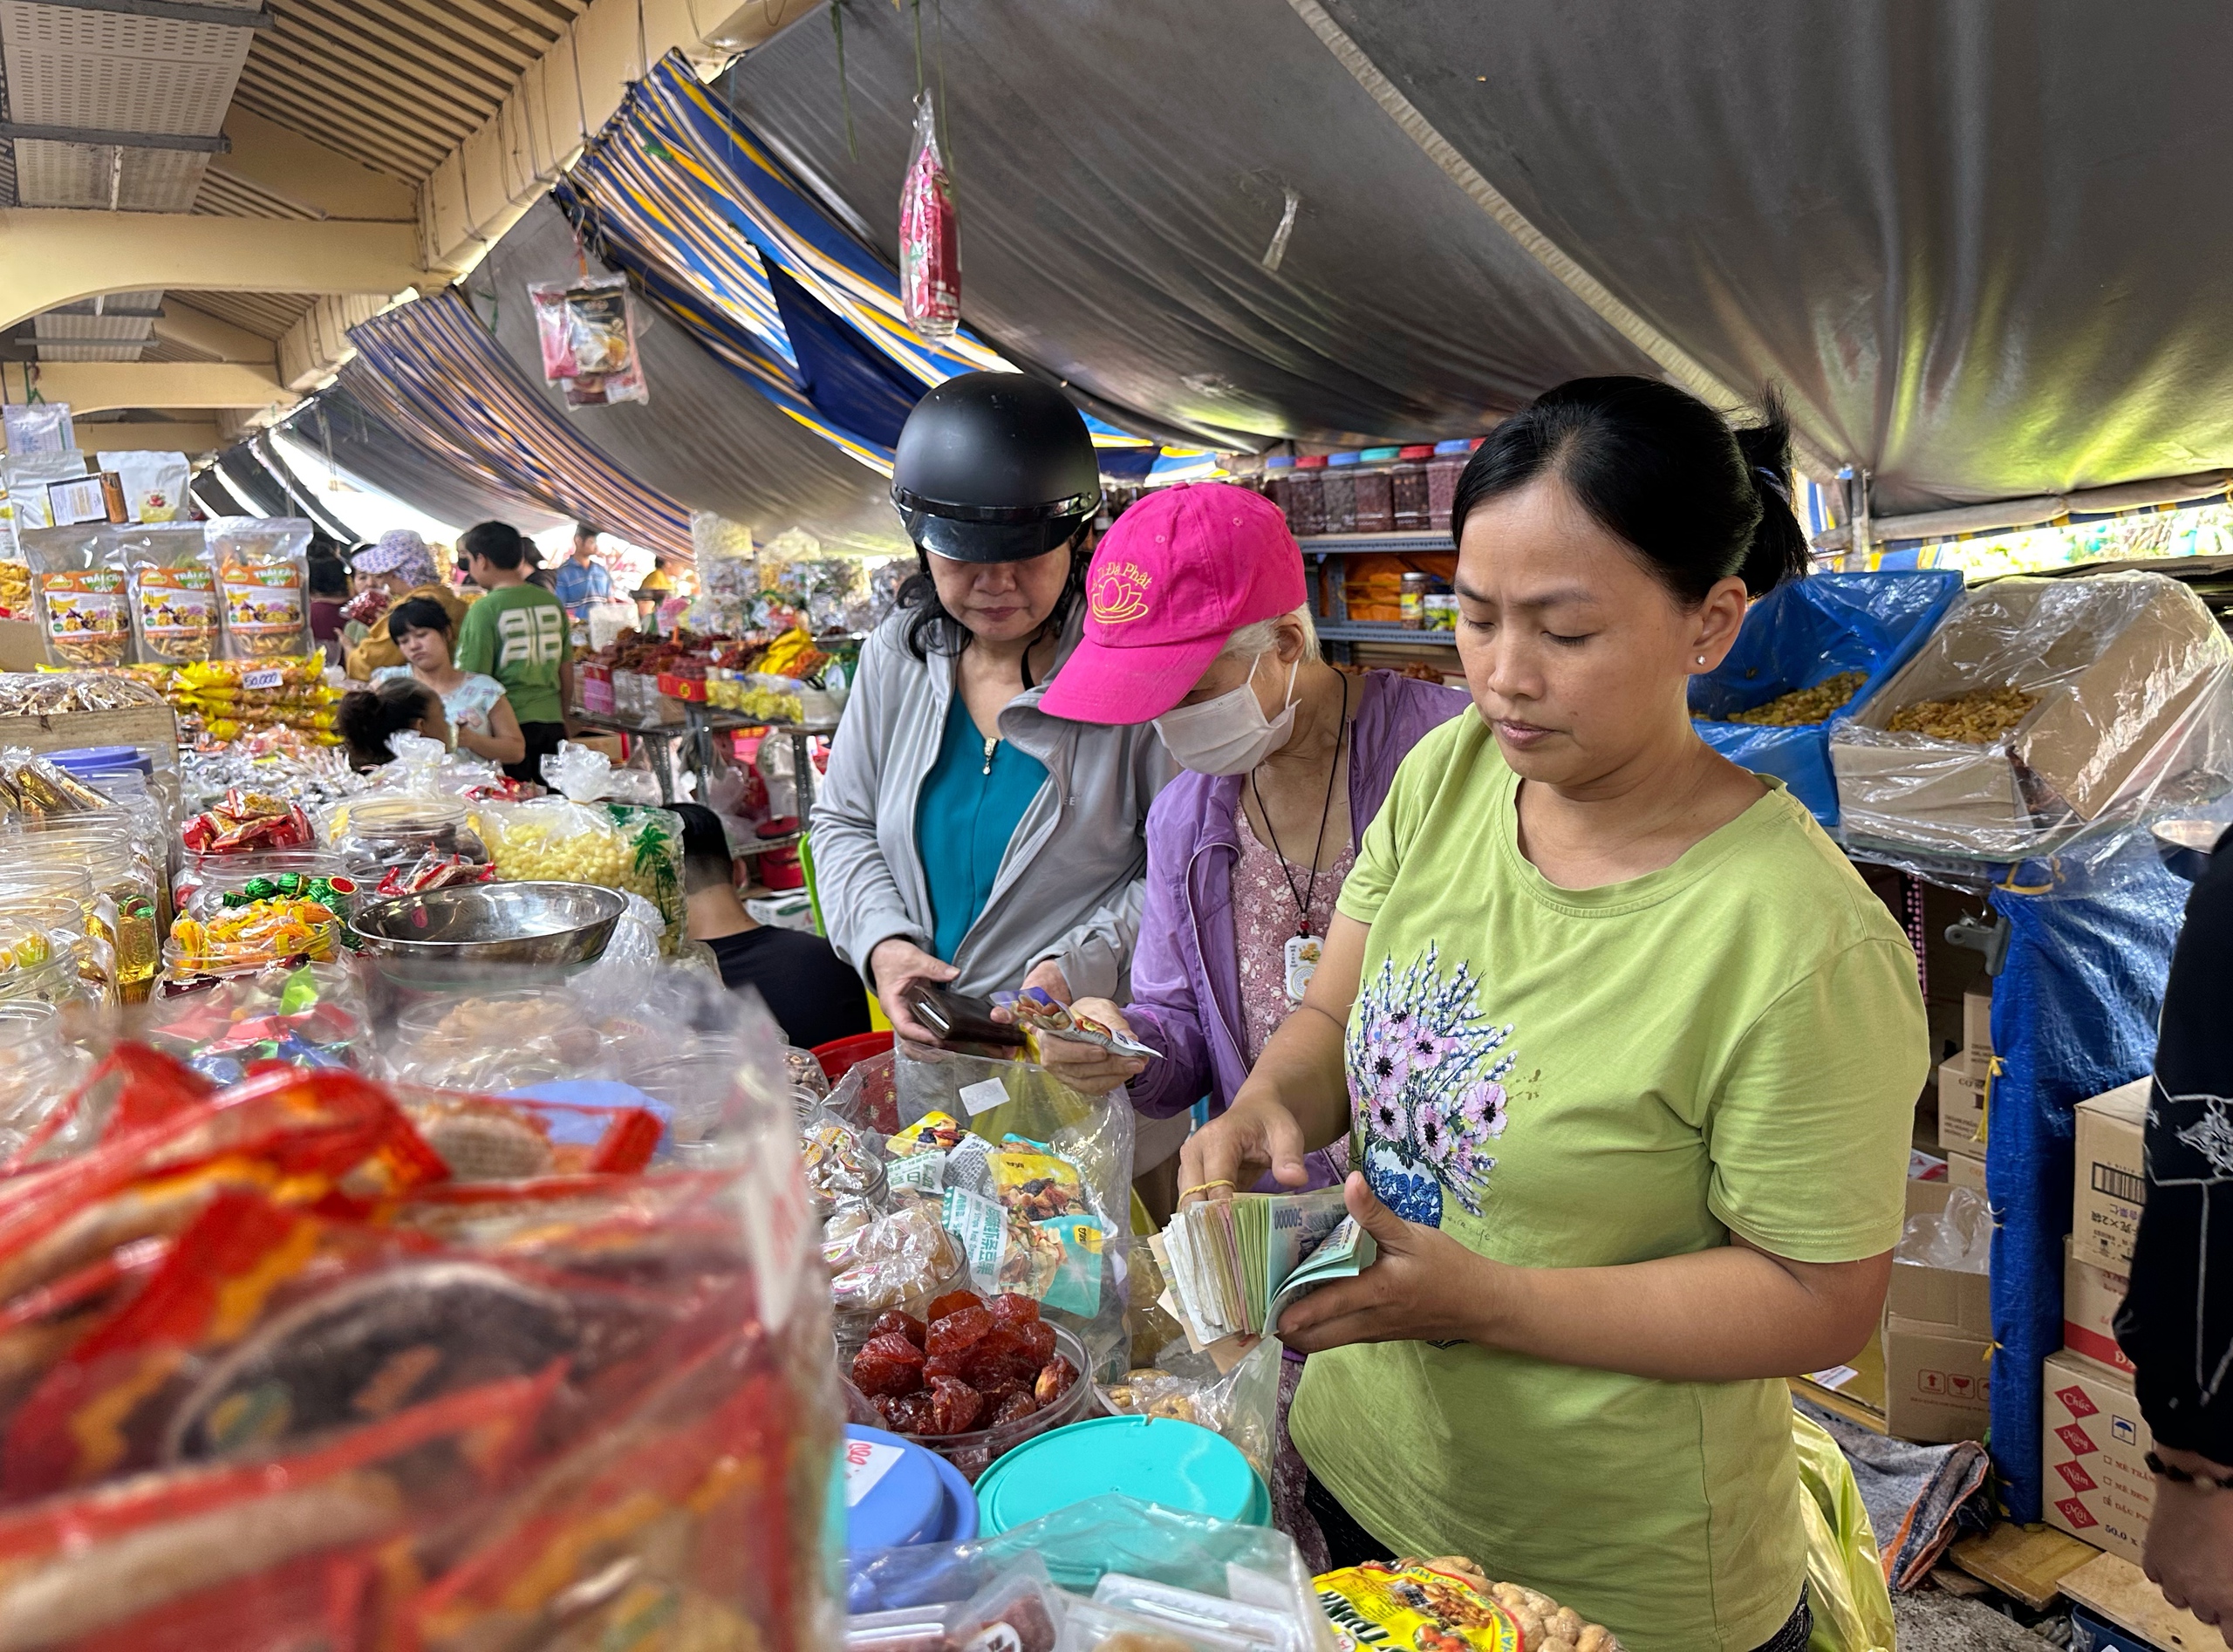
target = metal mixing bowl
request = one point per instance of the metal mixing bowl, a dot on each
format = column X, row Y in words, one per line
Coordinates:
column 457, row 931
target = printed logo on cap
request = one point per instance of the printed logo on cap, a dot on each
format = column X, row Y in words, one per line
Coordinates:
column 1120, row 594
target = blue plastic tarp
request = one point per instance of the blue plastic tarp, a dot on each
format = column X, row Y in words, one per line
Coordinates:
column 2074, row 1012
column 1804, row 633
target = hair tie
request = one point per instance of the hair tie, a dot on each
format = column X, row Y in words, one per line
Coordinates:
column 1775, row 483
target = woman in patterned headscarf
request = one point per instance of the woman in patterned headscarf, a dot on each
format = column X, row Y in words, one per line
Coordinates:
column 400, row 567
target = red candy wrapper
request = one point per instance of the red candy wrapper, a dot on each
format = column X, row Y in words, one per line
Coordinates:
column 930, row 250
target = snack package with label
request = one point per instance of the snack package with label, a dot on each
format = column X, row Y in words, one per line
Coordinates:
column 246, row 820
column 154, row 483
column 587, row 331
column 263, row 579
column 174, row 589
column 79, row 579
column 1450, row 1605
column 1042, row 1015
column 930, row 257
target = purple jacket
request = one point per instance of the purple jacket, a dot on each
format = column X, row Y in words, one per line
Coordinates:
column 1186, row 965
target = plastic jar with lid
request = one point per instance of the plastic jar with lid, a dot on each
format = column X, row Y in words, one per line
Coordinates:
column 1308, row 511
column 39, row 1067
column 1279, row 485
column 60, row 984
column 1339, row 489
column 1375, row 494
column 1411, row 601
column 1444, row 469
column 1409, row 477
column 369, row 835
column 204, row 882
column 52, row 897
column 124, row 876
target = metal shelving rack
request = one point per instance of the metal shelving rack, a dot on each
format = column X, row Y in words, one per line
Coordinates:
column 698, row 725
column 1335, row 628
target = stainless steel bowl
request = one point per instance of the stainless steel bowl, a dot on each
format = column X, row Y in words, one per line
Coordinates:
column 459, row 930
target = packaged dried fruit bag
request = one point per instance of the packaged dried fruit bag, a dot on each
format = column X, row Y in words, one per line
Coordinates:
column 263, row 576
column 79, row 579
column 173, row 592
column 930, row 248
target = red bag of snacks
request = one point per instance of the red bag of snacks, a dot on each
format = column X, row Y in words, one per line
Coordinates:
column 930, row 248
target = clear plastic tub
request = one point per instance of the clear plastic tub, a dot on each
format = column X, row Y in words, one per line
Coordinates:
column 62, row 899
column 134, row 890
column 205, row 880
column 977, row 1450
column 369, row 835
column 39, row 1067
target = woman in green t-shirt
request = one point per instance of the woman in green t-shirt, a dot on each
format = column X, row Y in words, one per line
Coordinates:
column 1627, row 1054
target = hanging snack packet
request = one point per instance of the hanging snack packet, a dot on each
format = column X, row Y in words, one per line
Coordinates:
column 80, row 589
column 154, row 483
column 586, row 330
column 38, row 427
column 173, row 592
column 263, row 576
column 930, row 254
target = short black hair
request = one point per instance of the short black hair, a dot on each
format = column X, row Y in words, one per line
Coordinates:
column 705, row 857
column 586, row 530
column 497, row 543
column 1654, row 467
column 420, row 613
column 329, row 574
column 369, row 718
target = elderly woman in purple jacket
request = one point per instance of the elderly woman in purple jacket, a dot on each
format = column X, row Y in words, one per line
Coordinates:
column 1198, row 620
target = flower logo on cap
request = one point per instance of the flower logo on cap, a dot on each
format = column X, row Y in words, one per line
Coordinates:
column 1120, row 594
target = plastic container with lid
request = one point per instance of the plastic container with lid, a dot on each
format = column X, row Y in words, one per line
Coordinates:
column 1338, row 489
column 132, row 891
column 899, row 1493
column 1444, row 469
column 1156, row 1459
column 1307, row 515
column 1375, row 492
column 54, row 898
column 1410, row 478
column 368, row 836
column 1412, row 600
column 38, row 1068
column 1278, row 479
column 204, row 880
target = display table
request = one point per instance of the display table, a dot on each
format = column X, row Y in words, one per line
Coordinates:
column 698, row 725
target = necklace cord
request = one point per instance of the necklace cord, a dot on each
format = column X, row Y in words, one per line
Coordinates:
column 1304, row 901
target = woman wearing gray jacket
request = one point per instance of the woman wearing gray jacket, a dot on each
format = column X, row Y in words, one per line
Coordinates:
column 961, row 834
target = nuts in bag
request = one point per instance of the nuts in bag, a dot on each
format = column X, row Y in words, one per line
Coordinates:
column 263, row 576
column 77, row 575
column 173, row 591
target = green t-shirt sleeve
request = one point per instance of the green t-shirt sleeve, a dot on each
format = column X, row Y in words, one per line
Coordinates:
column 476, row 641
column 1809, row 1129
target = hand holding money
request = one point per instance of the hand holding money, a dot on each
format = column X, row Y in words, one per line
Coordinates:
column 1422, row 1286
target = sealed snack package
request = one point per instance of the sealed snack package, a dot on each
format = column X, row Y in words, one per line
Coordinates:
column 173, row 592
column 29, row 476
column 263, row 576
column 1450, row 1604
column 80, row 580
column 587, row 331
column 154, row 483
column 38, row 427
column 930, row 254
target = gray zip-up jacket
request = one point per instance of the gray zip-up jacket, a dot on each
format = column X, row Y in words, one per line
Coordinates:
column 1071, row 885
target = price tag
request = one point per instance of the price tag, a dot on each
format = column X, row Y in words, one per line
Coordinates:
column 982, row 1097
column 866, row 1463
column 269, row 677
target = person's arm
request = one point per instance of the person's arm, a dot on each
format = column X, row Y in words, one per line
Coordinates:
column 502, row 741
column 1092, row 957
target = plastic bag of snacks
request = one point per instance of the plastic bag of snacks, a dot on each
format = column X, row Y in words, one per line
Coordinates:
column 587, row 331
column 618, row 845
column 930, row 254
column 173, row 591
column 246, row 820
column 1450, row 1605
column 80, row 583
column 154, row 483
column 428, row 1414
column 263, row 576
column 232, row 696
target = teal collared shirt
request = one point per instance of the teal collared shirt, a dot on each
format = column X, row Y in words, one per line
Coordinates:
column 965, row 817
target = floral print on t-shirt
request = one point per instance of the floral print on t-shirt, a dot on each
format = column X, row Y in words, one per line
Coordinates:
column 1426, row 1072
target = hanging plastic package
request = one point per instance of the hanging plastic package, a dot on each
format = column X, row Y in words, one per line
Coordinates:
column 154, row 483
column 587, row 332
column 263, row 574
column 38, row 427
column 930, row 252
column 80, row 583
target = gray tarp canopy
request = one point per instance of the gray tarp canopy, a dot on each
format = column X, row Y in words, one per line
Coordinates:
column 1974, row 241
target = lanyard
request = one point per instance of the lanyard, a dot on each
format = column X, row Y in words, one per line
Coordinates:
column 1302, row 898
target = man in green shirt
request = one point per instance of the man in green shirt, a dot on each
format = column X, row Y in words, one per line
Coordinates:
column 517, row 633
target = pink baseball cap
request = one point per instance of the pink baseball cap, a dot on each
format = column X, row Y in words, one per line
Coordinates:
column 1178, row 574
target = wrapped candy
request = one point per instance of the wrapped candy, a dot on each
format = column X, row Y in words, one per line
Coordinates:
column 432, row 870
column 247, row 820
column 264, row 929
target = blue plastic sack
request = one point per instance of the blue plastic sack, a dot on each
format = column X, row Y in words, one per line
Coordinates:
column 1804, row 633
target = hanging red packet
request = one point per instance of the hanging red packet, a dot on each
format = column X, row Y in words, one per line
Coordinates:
column 930, row 246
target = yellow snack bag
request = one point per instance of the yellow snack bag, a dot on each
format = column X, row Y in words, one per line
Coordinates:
column 1412, row 1606
column 932, row 1133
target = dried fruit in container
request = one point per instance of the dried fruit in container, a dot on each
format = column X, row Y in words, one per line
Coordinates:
column 930, row 246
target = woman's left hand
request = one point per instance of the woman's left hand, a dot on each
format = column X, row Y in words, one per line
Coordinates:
column 1424, row 1286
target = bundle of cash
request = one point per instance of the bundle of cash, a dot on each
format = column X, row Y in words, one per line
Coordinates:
column 1234, row 1264
column 1042, row 1015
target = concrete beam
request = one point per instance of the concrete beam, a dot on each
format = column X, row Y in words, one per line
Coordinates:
column 488, row 181
column 99, row 387
column 196, row 329
column 189, row 438
column 318, row 343
column 51, row 256
column 309, row 176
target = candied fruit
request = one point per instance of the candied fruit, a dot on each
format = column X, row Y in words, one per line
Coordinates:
column 954, row 1365
column 897, row 1324
column 1011, row 1307
column 957, row 1331
column 1014, row 1408
column 952, row 1302
column 905, row 1413
column 1054, row 1380
column 888, row 1365
column 1038, row 1340
column 955, row 1406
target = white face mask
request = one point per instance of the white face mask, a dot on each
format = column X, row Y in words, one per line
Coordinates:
column 1230, row 735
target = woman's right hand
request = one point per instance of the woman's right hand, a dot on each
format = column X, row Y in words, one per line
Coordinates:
column 896, row 963
column 1088, row 1066
column 1233, row 1151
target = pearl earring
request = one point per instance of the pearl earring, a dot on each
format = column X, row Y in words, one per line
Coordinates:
column 1701, row 659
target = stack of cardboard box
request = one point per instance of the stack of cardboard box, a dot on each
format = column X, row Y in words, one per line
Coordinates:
column 1937, row 1342
column 1962, row 1086
column 2094, row 1440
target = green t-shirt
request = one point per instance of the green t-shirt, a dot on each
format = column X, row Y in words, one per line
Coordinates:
column 1573, row 1078
column 517, row 635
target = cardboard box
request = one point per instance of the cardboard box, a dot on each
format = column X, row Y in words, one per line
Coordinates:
column 2093, row 1446
column 2110, row 1184
column 2091, row 1297
column 1966, row 1169
column 1937, row 1382
column 1941, row 1296
column 1961, row 1105
column 1977, row 1028
column 2083, row 647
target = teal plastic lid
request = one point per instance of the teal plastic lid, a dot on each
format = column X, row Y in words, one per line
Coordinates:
column 1342, row 459
column 1382, row 455
column 1154, row 1458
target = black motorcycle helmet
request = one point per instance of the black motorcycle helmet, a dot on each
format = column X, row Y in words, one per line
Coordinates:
column 994, row 466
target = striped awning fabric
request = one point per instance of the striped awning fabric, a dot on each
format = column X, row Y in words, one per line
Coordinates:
column 430, row 370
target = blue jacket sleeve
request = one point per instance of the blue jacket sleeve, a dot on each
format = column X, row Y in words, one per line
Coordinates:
column 1164, row 1011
